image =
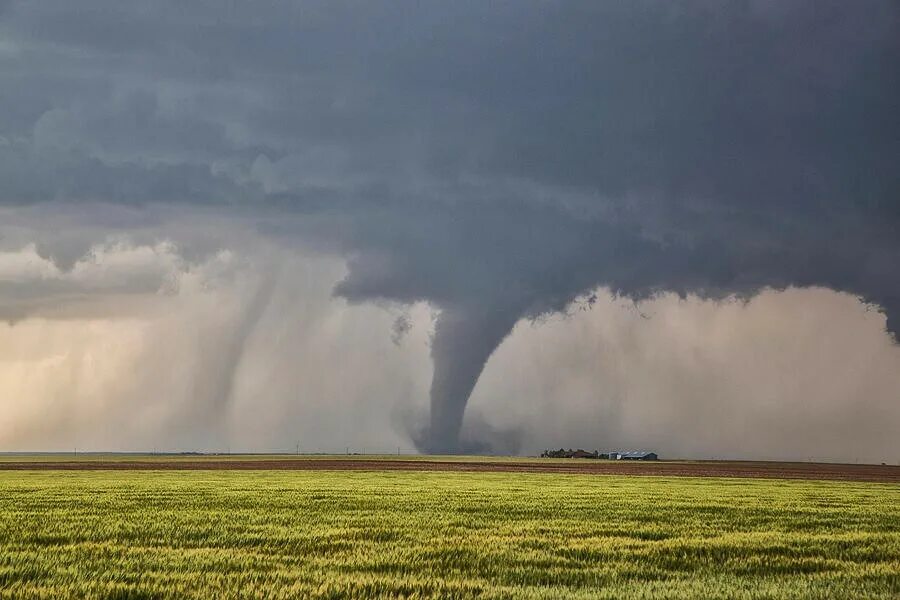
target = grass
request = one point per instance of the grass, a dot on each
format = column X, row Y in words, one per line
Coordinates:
column 289, row 534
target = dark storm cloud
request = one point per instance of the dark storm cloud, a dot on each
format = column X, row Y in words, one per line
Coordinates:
column 495, row 159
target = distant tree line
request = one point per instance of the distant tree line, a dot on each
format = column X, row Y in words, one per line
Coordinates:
column 579, row 453
column 611, row 455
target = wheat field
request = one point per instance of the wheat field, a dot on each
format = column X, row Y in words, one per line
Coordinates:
column 333, row 534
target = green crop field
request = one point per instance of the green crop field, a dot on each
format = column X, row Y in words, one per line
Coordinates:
column 292, row 534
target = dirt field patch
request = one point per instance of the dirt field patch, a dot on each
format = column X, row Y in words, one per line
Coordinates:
column 774, row 470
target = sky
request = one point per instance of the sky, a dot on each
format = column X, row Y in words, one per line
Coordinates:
column 451, row 227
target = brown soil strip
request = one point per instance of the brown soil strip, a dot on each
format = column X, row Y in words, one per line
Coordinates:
column 772, row 470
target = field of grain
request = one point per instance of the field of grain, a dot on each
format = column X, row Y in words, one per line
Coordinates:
column 364, row 534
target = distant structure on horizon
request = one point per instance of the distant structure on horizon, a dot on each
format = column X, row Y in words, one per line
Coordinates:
column 612, row 455
column 633, row 455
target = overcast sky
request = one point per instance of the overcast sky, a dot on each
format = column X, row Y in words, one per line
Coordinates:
column 672, row 225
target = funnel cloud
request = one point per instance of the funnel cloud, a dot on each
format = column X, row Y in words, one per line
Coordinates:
column 489, row 164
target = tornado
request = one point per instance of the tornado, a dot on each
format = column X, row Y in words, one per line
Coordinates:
column 464, row 339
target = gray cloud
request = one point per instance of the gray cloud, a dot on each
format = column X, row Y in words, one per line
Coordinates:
column 495, row 160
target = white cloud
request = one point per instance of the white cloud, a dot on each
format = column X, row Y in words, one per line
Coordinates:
column 26, row 265
column 800, row 374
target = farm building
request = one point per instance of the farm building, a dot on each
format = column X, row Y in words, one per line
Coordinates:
column 583, row 454
column 633, row 455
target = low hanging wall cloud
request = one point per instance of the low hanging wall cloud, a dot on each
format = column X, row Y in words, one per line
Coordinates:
column 496, row 161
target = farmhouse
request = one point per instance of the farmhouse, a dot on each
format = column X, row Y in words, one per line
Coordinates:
column 583, row 454
column 633, row 455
